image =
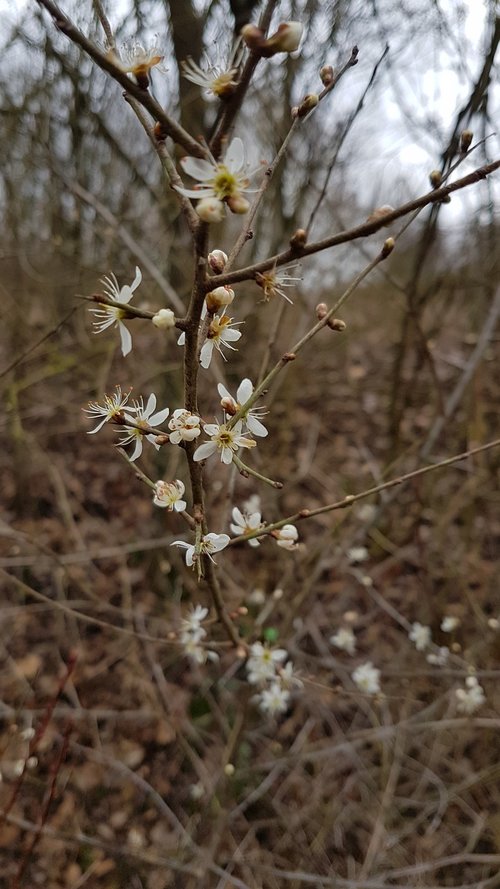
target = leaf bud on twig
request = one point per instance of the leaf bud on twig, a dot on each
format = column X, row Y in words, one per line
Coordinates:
column 435, row 178
column 326, row 75
column 298, row 239
column 321, row 310
column 380, row 212
column 253, row 36
column 336, row 324
column 388, row 247
column 465, row 140
column 308, row 103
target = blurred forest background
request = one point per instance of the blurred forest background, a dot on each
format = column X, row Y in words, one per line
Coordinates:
column 343, row 791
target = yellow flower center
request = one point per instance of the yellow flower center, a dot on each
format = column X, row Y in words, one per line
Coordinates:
column 224, row 183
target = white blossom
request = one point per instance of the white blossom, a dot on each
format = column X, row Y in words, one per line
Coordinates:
column 169, row 495
column 210, row 543
column 214, row 79
column 263, row 663
column 420, row 635
column 287, row 537
column 225, row 181
column 113, row 315
column 449, row 623
column 243, row 523
column 137, row 58
column 357, row 554
column 273, row 700
column 344, row 639
column 143, row 416
column 440, row 657
column 223, row 439
column 253, row 416
column 220, row 333
column 184, row 425
column 112, row 407
column 191, row 625
column 273, row 283
column 470, row 698
column 367, row 678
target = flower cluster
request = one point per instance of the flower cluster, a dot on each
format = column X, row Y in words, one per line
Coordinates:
column 265, row 670
column 192, row 634
column 420, row 635
column 143, row 418
column 367, row 678
column 220, row 184
column 470, row 698
column 345, row 640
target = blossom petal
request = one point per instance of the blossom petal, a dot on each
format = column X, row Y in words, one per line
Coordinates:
column 221, row 389
column 137, row 450
column 244, row 392
column 180, row 505
column 160, row 417
column 99, row 426
column 204, row 451
column 226, row 456
column 198, row 169
column 218, row 541
column 206, row 353
column 137, row 280
column 238, row 517
column 150, row 406
column 256, row 427
column 211, row 428
column 234, row 158
column 126, row 338
column 202, row 192
column 230, row 336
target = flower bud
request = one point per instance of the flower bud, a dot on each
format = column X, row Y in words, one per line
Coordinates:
column 326, row 75
column 210, row 210
column 286, row 38
column 321, row 310
column 218, row 298
column 299, row 238
column 229, row 406
column 217, row 260
column 229, row 769
column 238, row 204
column 388, row 247
column 435, row 178
column 380, row 212
column 308, row 103
column 253, row 36
column 164, row 319
column 465, row 140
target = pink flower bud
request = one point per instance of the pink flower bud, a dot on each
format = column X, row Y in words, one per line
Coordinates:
column 210, row 210
column 238, row 204
column 217, row 260
column 218, row 298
